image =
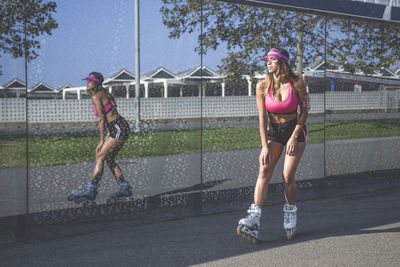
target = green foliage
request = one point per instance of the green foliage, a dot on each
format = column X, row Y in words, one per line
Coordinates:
column 22, row 22
column 363, row 46
column 247, row 31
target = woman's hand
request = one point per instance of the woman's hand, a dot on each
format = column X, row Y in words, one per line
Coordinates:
column 291, row 146
column 99, row 146
column 264, row 155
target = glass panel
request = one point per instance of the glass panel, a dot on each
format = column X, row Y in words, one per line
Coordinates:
column 160, row 160
column 171, row 108
column 13, row 143
column 63, row 131
column 362, row 101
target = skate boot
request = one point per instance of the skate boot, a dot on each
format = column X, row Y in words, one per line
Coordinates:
column 290, row 220
column 85, row 195
column 123, row 194
column 249, row 226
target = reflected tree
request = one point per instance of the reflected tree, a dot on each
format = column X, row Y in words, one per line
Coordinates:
column 22, row 22
column 247, row 31
column 362, row 46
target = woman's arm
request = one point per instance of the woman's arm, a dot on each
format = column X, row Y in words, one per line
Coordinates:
column 262, row 114
column 301, row 90
column 96, row 99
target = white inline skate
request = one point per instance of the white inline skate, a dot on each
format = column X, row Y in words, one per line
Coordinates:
column 249, row 227
column 290, row 220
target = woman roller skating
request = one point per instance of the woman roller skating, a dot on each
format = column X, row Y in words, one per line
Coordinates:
column 279, row 97
column 105, row 108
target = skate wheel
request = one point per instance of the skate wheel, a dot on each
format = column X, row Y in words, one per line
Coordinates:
column 239, row 230
column 290, row 234
column 255, row 240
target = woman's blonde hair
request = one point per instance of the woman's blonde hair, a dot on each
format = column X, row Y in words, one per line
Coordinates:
column 284, row 73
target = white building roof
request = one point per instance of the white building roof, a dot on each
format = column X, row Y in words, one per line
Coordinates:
column 64, row 86
column 199, row 72
column 122, row 76
column 15, row 84
column 42, row 87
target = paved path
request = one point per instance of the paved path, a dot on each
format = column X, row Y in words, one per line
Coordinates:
column 358, row 230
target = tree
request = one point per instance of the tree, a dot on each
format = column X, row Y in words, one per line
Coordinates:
column 363, row 46
column 247, row 31
column 22, row 22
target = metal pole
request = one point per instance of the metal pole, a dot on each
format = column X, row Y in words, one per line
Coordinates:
column 386, row 99
column 137, row 67
column 325, row 92
column 25, row 220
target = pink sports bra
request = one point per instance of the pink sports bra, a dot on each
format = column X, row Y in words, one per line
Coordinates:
column 107, row 108
column 288, row 106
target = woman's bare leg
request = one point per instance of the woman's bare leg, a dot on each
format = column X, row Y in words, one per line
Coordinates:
column 289, row 169
column 109, row 145
column 265, row 173
column 114, row 167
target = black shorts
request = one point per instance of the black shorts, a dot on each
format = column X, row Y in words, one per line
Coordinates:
column 119, row 129
column 281, row 132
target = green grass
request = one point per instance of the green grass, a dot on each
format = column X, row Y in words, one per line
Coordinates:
column 65, row 149
column 361, row 128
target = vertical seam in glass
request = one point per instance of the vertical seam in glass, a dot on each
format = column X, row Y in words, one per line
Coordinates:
column 325, row 51
column 26, row 132
column 201, row 95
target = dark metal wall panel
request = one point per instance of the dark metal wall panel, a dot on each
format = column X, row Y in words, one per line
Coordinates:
column 350, row 8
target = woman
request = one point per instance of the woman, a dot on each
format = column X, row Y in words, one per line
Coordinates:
column 279, row 96
column 105, row 108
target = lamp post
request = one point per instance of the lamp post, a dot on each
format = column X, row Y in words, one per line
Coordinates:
column 137, row 68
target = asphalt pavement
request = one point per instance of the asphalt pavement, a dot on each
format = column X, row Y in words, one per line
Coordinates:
column 354, row 230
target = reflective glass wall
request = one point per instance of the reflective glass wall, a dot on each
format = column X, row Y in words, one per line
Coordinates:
column 362, row 97
column 159, row 160
column 198, row 140
column 13, row 146
column 63, row 129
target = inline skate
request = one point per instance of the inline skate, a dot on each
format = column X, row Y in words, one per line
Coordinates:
column 249, row 227
column 290, row 220
column 85, row 195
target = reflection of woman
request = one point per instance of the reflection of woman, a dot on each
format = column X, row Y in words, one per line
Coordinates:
column 105, row 108
column 279, row 96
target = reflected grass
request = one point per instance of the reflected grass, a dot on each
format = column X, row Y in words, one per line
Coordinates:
column 12, row 151
column 351, row 129
column 67, row 149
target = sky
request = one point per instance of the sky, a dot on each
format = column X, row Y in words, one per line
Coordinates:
column 99, row 36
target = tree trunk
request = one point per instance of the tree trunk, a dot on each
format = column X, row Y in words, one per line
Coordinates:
column 299, row 44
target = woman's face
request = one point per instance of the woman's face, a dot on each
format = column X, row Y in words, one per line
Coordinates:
column 90, row 85
column 272, row 64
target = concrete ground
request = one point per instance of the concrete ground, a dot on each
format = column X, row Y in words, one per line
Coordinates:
column 353, row 230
